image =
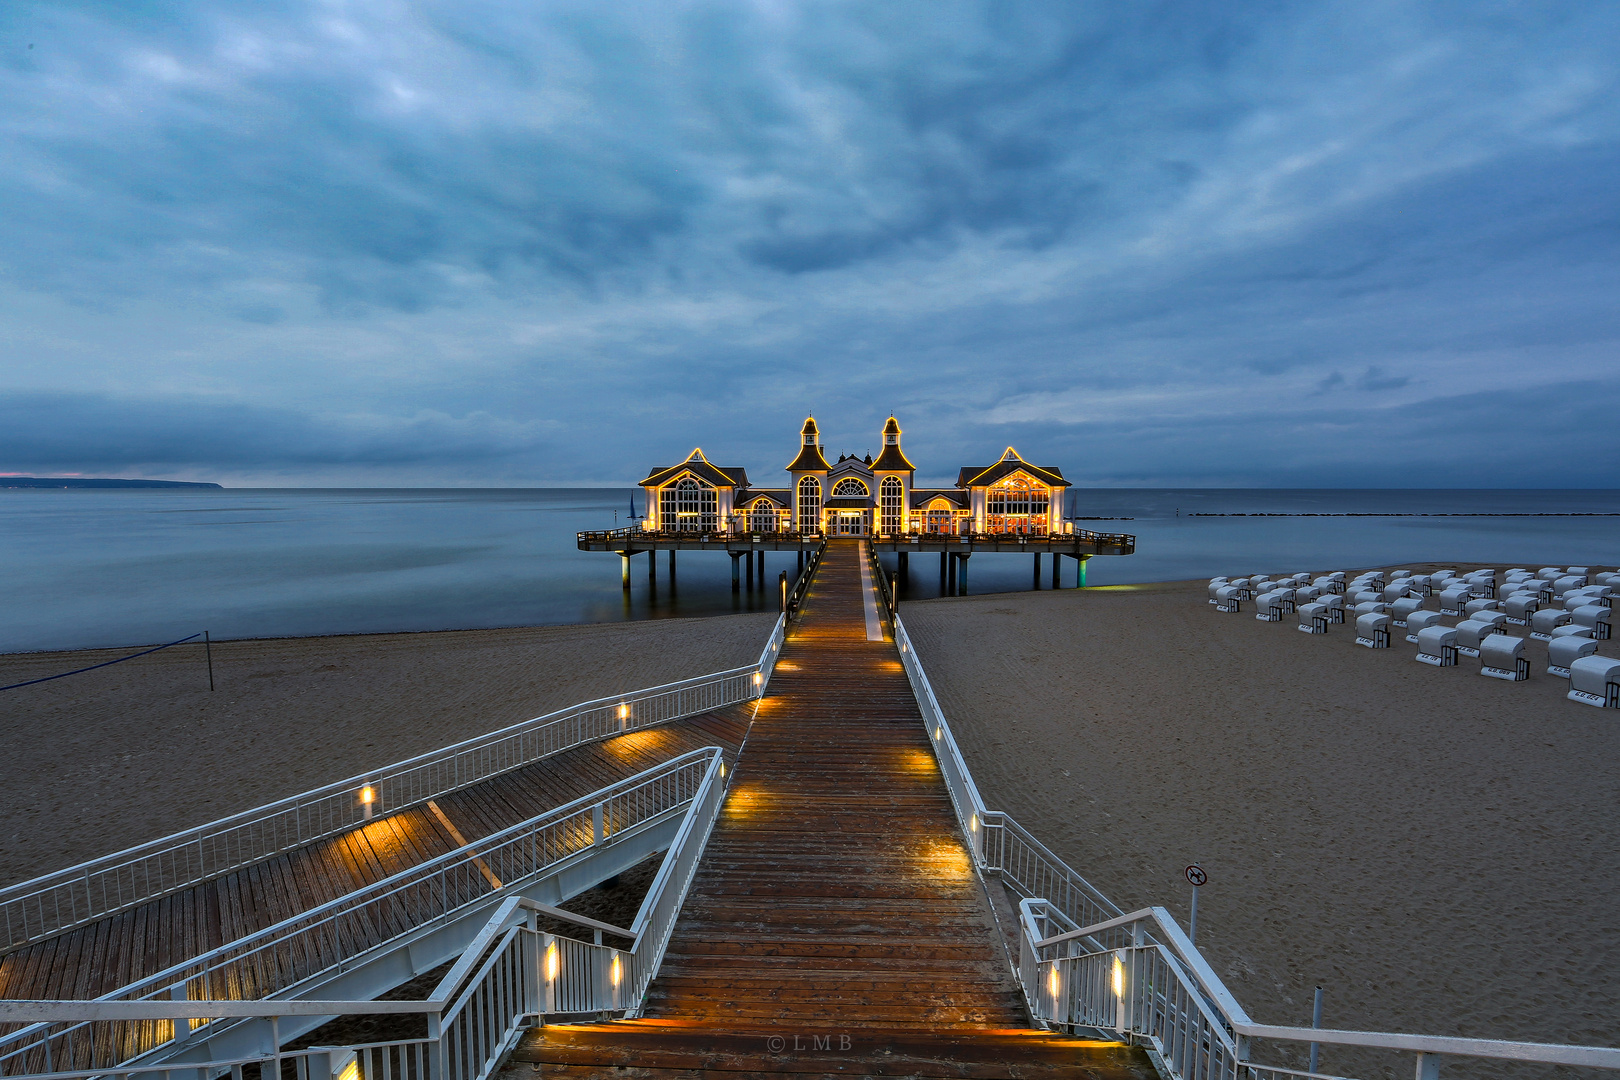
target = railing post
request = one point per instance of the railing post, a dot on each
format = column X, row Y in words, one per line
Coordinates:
column 596, row 824
column 1428, row 1067
column 533, row 977
column 182, row 1026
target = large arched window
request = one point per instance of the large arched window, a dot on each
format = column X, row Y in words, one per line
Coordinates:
column 891, row 495
column 851, row 488
column 809, row 505
column 689, row 505
column 1016, row 505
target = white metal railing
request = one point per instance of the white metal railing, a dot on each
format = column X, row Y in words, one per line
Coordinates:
column 47, row 905
column 511, row 975
column 1085, row 964
column 343, row 933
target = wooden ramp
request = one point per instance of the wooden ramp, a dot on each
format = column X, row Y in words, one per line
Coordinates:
column 836, row 925
column 116, row 951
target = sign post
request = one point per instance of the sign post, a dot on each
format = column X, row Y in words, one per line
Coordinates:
column 1195, row 875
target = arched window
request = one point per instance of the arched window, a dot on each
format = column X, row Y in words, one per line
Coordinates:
column 762, row 516
column 809, row 505
column 689, row 506
column 1017, row 506
column 891, row 495
column 851, row 488
column 941, row 517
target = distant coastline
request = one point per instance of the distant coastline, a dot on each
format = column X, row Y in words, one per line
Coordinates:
column 49, row 482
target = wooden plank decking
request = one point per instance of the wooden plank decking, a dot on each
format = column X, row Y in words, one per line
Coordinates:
column 116, row 951
column 836, row 925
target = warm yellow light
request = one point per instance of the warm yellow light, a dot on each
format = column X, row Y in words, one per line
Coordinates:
column 553, row 961
column 613, row 972
column 938, row 732
column 1052, row 982
column 758, row 678
column 722, row 768
column 624, row 711
column 1119, row 976
column 973, row 822
column 351, row 1071
column 368, row 795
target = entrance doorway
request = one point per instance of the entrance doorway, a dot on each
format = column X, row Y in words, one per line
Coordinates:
column 850, row 524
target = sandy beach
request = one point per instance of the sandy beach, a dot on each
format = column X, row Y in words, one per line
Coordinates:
column 97, row 762
column 1435, row 848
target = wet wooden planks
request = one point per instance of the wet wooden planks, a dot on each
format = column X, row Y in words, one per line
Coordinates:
column 836, row 889
column 114, row 952
column 673, row 1050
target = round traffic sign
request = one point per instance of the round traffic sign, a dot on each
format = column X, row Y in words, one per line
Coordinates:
column 1196, row 875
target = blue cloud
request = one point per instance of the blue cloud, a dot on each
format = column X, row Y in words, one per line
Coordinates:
column 478, row 236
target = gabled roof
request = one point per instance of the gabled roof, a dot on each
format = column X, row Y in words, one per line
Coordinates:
column 782, row 497
column 1010, row 463
column 699, row 466
column 851, row 466
column 921, row 497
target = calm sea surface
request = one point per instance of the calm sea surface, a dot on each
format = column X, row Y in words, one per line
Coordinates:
column 103, row 568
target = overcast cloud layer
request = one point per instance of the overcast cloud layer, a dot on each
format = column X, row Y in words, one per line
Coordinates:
column 1305, row 244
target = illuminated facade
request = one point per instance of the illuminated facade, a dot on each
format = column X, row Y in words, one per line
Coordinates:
column 855, row 496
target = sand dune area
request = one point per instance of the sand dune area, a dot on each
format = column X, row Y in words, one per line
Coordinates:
column 1437, row 849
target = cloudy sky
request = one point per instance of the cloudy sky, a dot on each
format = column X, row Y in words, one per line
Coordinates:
column 471, row 242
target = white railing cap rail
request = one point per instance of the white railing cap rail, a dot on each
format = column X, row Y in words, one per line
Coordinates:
column 1597, row 1057
column 237, row 948
column 353, row 783
column 202, row 1010
column 1238, row 1021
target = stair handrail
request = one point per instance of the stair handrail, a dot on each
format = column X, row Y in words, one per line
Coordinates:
column 511, row 974
column 461, row 876
column 53, row 903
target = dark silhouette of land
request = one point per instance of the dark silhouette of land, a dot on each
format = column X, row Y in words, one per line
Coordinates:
column 96, row 482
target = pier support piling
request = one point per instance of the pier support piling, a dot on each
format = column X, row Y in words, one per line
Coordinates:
column 652, row 568
column 736, row 570
column 624, row 567
column 1080, row 577
column 961, row 583
column 672, row 568
column 1038, row 569
column 944, row 558
column 749, row 557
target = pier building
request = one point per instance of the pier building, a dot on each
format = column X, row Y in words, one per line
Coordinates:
column 856, row 496
column 1009, row 505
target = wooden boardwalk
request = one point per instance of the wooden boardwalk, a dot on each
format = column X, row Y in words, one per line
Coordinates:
column 116, row 951
column 836, row 925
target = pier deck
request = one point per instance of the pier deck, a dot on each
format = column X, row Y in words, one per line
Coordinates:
column 836, row 924
column 103, row 956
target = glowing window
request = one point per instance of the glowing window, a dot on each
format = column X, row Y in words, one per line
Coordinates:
column 889, row 500
column 689, row 506
column 851, row 488
column 809, row 505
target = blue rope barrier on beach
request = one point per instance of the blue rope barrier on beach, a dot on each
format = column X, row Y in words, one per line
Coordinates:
column 107, row 663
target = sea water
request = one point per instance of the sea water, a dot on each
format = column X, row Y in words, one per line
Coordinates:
column 111, row 568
